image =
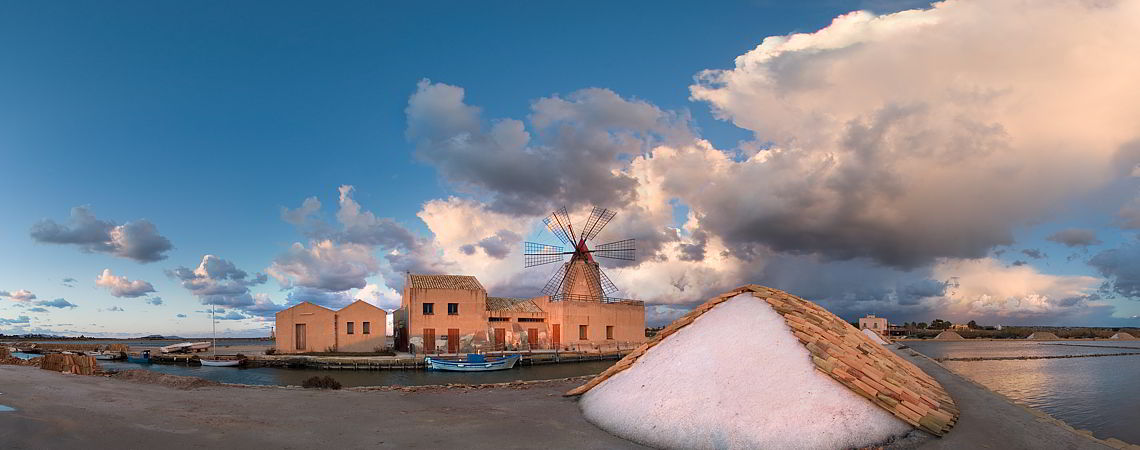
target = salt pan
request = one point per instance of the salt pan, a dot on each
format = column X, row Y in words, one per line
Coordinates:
column 736, row 377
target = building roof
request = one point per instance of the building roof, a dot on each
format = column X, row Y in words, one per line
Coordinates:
column 462, row 282
column 838, row 350
column 512, row 305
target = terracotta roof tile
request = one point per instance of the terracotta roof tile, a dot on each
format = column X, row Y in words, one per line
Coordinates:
column 463, row 282
column 512, row 305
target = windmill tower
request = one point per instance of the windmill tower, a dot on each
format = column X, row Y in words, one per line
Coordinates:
column 580, row 278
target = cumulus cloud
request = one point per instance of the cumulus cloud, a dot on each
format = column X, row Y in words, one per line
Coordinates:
column 57, row 303
column 22, row 295
column 1075, row 237
column 877, row 135
column 325, row 265
column 571, row 156
column 342, row 256
column 219, row 282
column 138, row 240
column 120, row 286
column 1121, row 268
column 986, row 288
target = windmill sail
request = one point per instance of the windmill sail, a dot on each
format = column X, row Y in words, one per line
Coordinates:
column 599, row 217
column 622, row 250
column 535, row 254
column 559, row 224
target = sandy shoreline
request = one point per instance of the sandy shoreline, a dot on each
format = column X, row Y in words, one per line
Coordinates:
column 67, row 411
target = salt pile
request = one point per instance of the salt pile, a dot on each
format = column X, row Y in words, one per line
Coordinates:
column 1043, row 336
column 874, row 336
column 948, row 335
column 763, row 369
column 1123, row 336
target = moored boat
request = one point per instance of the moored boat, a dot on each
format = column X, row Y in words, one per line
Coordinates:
column 143, row 358
column 220, row 362
column 185, row 347
column 473, row 363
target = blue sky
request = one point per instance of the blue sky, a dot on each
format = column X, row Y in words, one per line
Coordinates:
column 207, row 119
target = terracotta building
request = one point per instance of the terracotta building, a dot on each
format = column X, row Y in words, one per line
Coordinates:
column 453, row 314
column 876, row 324
column 306, row 327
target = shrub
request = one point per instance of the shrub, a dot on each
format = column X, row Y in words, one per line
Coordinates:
column 325, row 382
column 271, row 351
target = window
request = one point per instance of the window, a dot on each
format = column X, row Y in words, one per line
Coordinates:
column 499, row 319
column 429, row 309
column 582, row 332
column 453, row 309
column 531, row 319
column 348, row 327
column 366, row 327
column 875, row 325
column 610, row 332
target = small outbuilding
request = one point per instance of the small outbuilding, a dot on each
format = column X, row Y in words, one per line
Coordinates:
column 308, row 327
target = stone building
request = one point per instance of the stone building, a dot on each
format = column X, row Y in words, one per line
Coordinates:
column 454, row 314
column 307, row 327
column 876, row 324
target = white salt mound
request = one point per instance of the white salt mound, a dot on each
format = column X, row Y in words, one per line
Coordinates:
column 874, row 336
column 735, row 378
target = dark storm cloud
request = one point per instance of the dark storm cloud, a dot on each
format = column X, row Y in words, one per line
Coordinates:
column 694, row 251
column 1075, row 237
column 1121, row 268
column 499, row 245
column 138, row 240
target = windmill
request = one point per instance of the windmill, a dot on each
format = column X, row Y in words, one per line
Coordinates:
column 581, row 277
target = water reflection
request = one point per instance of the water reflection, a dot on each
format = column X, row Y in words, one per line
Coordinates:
column 285, row 377
column 1098, row 394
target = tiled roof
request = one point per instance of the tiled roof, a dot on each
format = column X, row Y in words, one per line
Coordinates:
column 464, row 282
column 840, row 351
column 512, row 305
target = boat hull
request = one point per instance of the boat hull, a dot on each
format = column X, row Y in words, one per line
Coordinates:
column 220, row 363
column 138, row 360
column 468, row 366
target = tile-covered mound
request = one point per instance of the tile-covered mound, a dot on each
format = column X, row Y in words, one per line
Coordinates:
column 839, row 350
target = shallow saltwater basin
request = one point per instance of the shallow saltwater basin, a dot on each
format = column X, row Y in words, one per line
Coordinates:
column 349, row 378
column 1095, row 393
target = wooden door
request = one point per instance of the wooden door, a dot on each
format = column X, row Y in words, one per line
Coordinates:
column 453, row 340
column 500, row 338
column 429, row 340
column 532, row 337
column 556, row 331
column 299, row 338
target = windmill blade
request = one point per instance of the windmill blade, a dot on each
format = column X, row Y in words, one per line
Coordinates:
column 559, row 224
column 535, row 254
column 599, row 217
column 608, row 287
column 622, row 250
column 562, row 276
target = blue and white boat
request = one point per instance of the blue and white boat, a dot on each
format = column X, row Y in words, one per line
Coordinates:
column 473, row 363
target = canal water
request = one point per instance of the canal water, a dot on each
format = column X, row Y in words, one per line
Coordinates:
column 350, row 378
column 1100, row 394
